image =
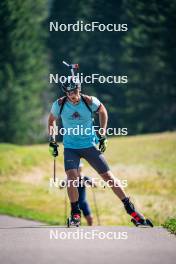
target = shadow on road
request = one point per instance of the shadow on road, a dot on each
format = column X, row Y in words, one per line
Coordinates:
column 36, row 226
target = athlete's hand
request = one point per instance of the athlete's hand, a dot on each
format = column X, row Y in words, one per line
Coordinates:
column 103, row 143
column 53, row 147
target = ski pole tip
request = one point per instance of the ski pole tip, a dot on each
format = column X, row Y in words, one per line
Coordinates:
column 64, row 62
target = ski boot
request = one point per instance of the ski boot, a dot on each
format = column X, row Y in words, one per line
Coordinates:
column 137, row 218
column 74, row 219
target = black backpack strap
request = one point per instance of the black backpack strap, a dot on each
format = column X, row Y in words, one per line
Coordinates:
column 88, row 101
column 61, row 103
column 83, row 97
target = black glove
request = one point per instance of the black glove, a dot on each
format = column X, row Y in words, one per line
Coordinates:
column 53, row 147
column 103, row 143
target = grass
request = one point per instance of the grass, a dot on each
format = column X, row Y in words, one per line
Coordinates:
column 170, row 224
column 147, row 162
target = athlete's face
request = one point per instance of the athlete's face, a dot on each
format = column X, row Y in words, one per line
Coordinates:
column 74, row 96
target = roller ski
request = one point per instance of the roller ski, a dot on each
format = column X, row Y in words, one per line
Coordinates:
column 74, row 220
column 137, row 219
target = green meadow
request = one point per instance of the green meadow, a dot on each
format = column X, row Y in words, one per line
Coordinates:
column 147, row 163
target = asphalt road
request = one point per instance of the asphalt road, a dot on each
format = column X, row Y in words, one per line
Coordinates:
column 26, row 242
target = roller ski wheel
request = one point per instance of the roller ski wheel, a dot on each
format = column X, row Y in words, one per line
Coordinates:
column 142, row 222
column 149, row 222
column 73, row 220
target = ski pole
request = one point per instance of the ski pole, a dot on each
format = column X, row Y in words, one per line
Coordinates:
column 65, row 203
column 96, row 207
column 54, row 169
column 54, row 137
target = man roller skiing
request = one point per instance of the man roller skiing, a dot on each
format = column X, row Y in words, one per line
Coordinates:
column 76, row 110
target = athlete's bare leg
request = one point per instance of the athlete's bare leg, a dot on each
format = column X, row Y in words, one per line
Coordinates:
column 117, row 189
column 89, row 219
column 72, row 176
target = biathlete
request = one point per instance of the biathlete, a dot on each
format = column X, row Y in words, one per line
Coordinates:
column 76, row 110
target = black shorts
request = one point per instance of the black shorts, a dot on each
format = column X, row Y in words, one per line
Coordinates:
column 94, row 157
